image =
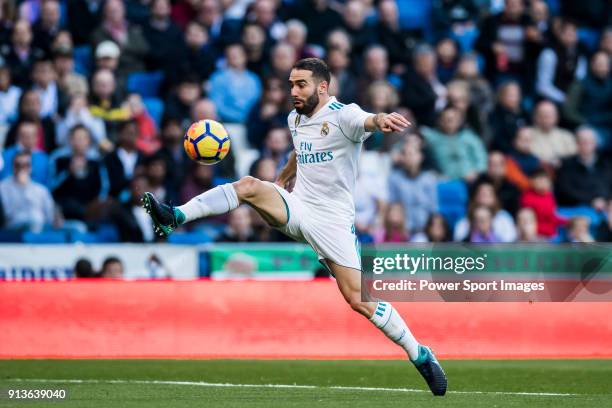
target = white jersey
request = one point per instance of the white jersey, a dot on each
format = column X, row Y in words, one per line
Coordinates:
column 327, row 147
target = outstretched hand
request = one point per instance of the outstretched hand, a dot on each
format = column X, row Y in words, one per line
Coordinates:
column 392, row 122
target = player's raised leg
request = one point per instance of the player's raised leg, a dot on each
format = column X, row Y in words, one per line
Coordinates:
column 388, row 320
column 219, row 200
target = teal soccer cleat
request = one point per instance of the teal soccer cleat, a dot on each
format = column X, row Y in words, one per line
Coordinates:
column 166, row 218
column 432, row 372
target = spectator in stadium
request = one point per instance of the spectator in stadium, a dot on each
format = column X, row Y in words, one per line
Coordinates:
column 177, row 162
column 256, row 47
column 422, row 92
column 199, row 179
column 148, row 140
column 496, row 174
column 436, row 230
column 578, row 230
column 7, row 17
column 361, row 32
column 297, row 32
column 550, row 143
column 320, row 17
column 459, row 97
column 233, row 89
column 83, row 269
column 520, row 162
column 414, row 188
column 447, row 55
column 26, row 204
column 503, row 40
column 541, row 199
column 503, row 226
column 394, row 225
column 77, row 179
column 53, row 100
column 68, row 81
column 123, row 162
column 222, row 31
column 83, row 17
column 507, row 116
column 339, row 63
column 277, row 145
column 586, row 178
column 270, row 111
column 398, row 41
column 130, row 39
column 200, row 56
column 130, row 218
column 107, row 55
column 9, row 97
column 263, row 13
column 26, row 142
column 239, row 227
column 29, row 110
column 180, row 103
column 20, row 54
column 481, row 227
column 560, row 64
column 157, row 175
column 454, row 17
column 458, row 152
column 604, row 229
column 527, row 226
column 112, row 268
column 282, row 58
column 165, row 38
column 375, row 68
column 589, row 101
column 106, row 103
column 264, row 169
column 47, row 25
column 370, row 206
column 78, row 114
column 605, row 41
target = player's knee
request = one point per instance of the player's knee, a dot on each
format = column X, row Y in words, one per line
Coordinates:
column 246, row 188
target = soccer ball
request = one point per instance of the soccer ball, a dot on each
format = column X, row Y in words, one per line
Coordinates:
column 206, row 142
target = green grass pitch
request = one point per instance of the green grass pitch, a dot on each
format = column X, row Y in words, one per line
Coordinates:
column 308, row 383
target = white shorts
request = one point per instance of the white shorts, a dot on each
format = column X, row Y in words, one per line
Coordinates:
column 335, row 242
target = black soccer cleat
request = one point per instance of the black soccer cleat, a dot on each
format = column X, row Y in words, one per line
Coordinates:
column 165, row 217
column 431, row 370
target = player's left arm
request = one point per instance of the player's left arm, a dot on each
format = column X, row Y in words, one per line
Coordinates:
column 386, row 122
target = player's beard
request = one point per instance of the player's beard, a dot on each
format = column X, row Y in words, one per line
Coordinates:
column 308, row 105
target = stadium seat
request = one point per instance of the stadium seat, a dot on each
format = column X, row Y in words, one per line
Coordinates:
column 452, row 200
column 415, row 14
column 83, row 237
column 155, row 107
column 82, row 59
column 191, row 238
column 45, row 237
column 146, row 84
column 10, row 236
column 594, row 216
column 107, row 233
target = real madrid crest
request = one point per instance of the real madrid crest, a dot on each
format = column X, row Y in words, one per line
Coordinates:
column 324, row 129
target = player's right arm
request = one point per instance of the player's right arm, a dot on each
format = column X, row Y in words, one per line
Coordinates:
column 287, row 174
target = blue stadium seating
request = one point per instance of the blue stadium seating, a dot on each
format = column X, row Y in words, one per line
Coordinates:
column 192, row 238
column 452, row 200
column 584, row 211
column 146, row 84
column 107, row 233
column 45, row 237
column 155, row 107
column 82, row 59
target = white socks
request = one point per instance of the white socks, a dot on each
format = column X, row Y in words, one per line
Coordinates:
column 387, row 319
column 218, row 200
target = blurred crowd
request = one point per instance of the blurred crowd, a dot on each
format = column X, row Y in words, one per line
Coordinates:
column 510, row 101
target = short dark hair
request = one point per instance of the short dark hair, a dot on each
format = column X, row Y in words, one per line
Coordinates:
column 110, row 260
column 317, row 66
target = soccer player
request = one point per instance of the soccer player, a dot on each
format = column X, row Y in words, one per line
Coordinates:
column 327, row 138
